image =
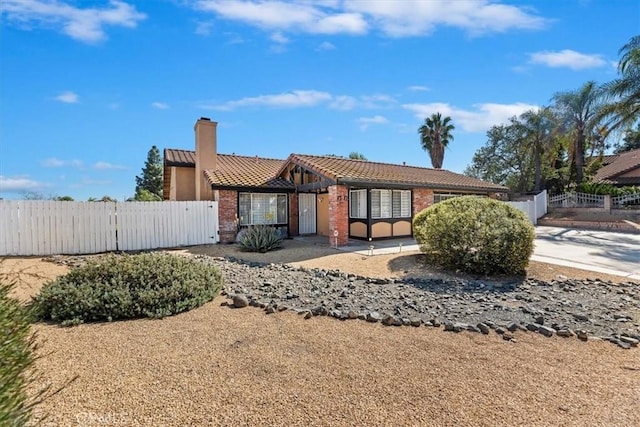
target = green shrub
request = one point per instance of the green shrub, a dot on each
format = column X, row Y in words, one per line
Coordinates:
column 128, row 286
column 260, row 238
column 17, row 356
column 475, row 235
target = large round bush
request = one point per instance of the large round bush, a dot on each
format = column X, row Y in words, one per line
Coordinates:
column 128, row 286
column 475, row 235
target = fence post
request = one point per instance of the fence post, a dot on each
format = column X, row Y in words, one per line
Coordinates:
column 607, row 203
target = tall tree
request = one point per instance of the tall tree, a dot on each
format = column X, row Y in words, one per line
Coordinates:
column 539, row 128
column 151, row 179
column 435, row 136
column 505, row 159
column 624, row 110
column 357, row 156
column 580, row 111
column 631, row 140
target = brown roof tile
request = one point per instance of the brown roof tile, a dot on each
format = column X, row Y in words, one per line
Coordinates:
column 623, row 163
column 244, row 171
column 351, row 171
column 184, row 158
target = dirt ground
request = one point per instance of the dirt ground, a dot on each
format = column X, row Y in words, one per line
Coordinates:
column 221, row 366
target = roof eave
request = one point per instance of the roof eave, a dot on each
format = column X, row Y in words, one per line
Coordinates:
column 392, row 184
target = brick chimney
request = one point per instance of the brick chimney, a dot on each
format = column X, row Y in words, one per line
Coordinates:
column 206, row 155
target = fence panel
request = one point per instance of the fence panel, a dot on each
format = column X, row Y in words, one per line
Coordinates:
column 150, row 225
column 55, row 227
column 51, row 227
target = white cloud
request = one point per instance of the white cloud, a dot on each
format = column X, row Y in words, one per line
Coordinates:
column 343, row 102
column 296, row 98
column 90, row 181
column 377, row 101
column 19, row 184
column 418, row 88
column 392, row 18
column 107, row 166
column 279, row 15
column 83, row 24
column 325, row 46
column 68, row 97
column 479, row 120
column 160, row 105
column 305, row 98
column 568, row 59
column 279, row 38
column 203, row 28
column 54, row 162
column 366, row 121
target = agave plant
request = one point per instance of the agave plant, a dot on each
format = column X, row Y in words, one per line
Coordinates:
column 260, row 238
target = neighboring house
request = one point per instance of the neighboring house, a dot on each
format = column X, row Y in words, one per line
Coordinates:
column 329, row 196
column 621, row 169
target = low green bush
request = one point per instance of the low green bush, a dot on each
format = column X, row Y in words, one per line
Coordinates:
column 17, row 356
column 260, row 238
column 475, row 235
column 128, row 286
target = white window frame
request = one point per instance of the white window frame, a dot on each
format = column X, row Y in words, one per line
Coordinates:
column 381, row 203
column 264, row 208
column 405, row 203
column 359, row 199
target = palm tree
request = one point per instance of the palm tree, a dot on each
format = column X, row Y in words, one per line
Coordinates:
column 539, row 127
column 624, row 111
column 435, row 135
column 581, row 111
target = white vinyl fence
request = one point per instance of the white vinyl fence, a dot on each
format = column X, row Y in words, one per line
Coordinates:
column 56, row 227
column 535, row 208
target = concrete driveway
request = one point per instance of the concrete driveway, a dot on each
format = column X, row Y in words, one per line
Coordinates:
column 602, row 251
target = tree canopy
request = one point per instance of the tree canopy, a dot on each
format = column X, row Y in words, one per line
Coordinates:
column 560, row 146
column 151, row 179
column 435, row 135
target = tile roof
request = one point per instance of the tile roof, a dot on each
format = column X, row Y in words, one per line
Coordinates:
column 350, row 171
column 185, row 158
column 623, row 163
column 245, row 171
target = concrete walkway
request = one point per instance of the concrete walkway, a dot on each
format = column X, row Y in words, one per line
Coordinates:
column 606, row 252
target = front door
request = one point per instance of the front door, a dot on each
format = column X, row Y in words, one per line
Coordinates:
column 307, row 213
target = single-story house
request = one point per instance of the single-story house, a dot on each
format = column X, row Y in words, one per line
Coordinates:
column 306, row 194
column 620, row 169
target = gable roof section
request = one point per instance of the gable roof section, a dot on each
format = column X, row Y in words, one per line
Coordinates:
column 360, row 172
column 243, row 171
column 234, row 171
column 623, row 163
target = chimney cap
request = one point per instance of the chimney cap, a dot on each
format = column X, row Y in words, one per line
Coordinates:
column 205, row 118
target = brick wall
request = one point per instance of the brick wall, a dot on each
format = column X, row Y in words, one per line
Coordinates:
column 338, row 214
column 227, row 213
column 293, row 214
column 422, row 199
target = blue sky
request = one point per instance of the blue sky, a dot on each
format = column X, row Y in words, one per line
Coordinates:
column 87, row 87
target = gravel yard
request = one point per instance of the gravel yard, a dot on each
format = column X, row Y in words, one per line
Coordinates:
column 222, row 366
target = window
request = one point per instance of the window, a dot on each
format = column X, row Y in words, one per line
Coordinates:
column 390, row 204
column 358, row 204
column 262, row 208
column 401, row 203
column 380, row 204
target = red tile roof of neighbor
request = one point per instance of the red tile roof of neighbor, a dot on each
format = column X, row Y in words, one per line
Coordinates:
column 624, row 162
column 244, row 171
